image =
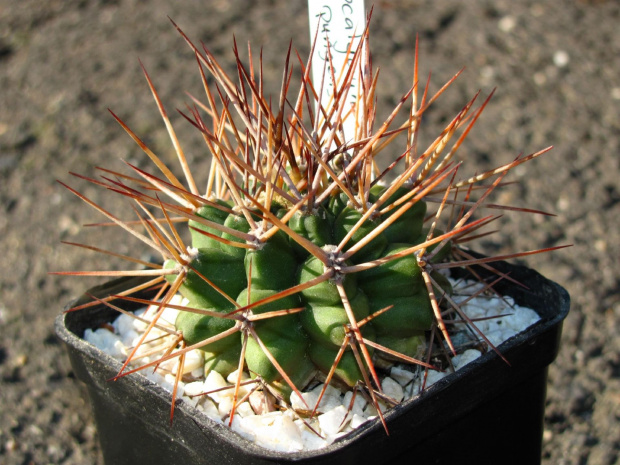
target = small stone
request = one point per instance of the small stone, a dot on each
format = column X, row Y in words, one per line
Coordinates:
column 329, row 391
column 194, row 359
column 170, row 381
column 119, row 350
column 357, row 420
column 243, row 389
column 240, row 428
column 402, row 376
column 194, row 389
column 311, row 440
column 225, row 405
column 245, row 410
column 281, row 434
column 124, row 324
column 333, row 421
column 331, row 439
column 434, row 376
column 232, row 377
column 392, row 389
column 210, row 409
column 193, row 401
column 261, row 402
column 331, row 398
column 466, row 357
column 307, row 401
column 412, row 389
column 561, row 58
column 507, row 23
column 130, row 337
column 154, row 376
column 169, row 315
column 370, row 412
column 540, row 79
column 213, row 382
column 358, row 404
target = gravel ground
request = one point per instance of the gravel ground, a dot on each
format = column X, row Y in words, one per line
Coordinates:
column 63, row 63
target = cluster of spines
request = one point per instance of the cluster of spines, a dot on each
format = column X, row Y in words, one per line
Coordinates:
column 296, row 215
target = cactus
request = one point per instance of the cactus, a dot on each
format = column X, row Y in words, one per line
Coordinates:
column 303, row 257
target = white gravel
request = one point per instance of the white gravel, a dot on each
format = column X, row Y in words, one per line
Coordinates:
column 287, row 431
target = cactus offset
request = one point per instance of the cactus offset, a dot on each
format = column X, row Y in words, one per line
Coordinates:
column 302, row 257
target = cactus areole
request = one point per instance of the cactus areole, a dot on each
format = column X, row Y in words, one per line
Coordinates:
column 304, row 259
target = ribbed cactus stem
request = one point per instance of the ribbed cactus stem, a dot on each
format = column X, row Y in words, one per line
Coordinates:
column 304, row 258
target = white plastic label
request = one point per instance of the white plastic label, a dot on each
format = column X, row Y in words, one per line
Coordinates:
column 339, row 22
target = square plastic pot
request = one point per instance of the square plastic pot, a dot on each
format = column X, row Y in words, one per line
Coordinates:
column 487, row 412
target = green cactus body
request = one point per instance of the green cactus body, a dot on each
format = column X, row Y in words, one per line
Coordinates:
column 310, row 339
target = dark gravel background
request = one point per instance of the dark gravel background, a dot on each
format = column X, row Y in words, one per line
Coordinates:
column 63, row 63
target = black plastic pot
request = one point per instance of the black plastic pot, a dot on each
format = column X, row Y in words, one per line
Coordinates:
column 488, row 412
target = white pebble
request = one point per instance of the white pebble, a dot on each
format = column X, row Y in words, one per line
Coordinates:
column 358, row 404
column 193, row 401
column 495, row 337
column 522, row 318
column 370, row 411
column 331, row 398
column 169, row 316
column 280, row 435
column 194, row 359
column 433, row 377
column 507, row 23
column 216, row 381
column 104, row 340
column 561, row 58
column 154, row 376
column 310, row 439
column 392, row 389
column 225, row 405
column 170, row 381
column 507, row 333
column 466, row 357
column 333, row 421
column 130, row 336
column 232, row 379
column 210, row 409
column 194, row 389
column 245, row 410
column 124, row 324
column 307, row 401
column 331, row 439
column 329, row 391
column 260, row 421
column 241, row 429
column 401, row 375
column 412, row 389
column 120, row 350
column 357, row 420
